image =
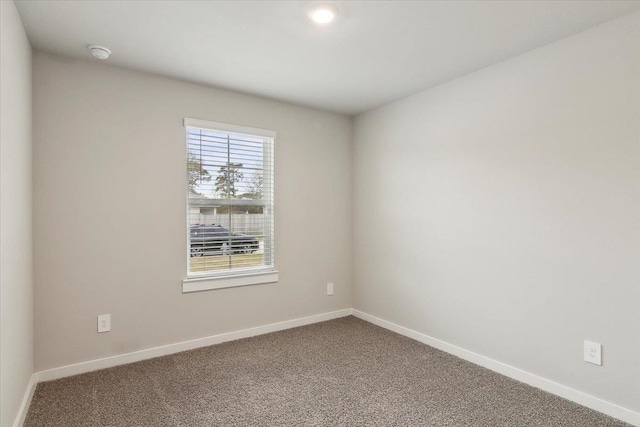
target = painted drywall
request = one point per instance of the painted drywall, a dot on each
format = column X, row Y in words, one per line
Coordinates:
column 500, row 212
column 16, row 243
column 109, row 224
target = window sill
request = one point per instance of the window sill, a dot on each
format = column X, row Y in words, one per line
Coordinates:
column 198, row 284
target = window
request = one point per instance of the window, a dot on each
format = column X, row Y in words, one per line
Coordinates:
column 230, row 231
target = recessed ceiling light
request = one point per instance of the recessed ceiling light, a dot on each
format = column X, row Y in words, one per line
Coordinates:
column 323, row 14
column 100, row 52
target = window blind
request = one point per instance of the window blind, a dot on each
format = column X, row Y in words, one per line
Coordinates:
column 230, row 224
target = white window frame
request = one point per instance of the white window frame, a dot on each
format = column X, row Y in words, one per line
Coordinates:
column 196, row 282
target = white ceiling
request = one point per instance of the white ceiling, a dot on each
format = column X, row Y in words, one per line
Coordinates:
column 374, row 53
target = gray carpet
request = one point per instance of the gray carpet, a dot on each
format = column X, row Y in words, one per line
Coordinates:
column 342, row 372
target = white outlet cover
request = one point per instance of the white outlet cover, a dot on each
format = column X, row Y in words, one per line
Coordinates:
column 104, row 323
column 329, row 288
column 593, row 352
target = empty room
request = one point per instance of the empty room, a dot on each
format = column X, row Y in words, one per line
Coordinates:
column 309, row 213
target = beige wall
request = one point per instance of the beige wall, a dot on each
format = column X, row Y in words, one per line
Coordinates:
column 500, row 212
column 16, row 255
column 109, row 158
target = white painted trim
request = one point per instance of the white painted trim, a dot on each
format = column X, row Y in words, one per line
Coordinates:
column 197, row 284
column 226, row 127
column 26, row 402
column 136, row 356
column 552, row 387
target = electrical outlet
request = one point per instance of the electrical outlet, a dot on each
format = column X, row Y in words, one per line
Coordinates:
column 104, row 323
column 593, row 352
column 329, row 288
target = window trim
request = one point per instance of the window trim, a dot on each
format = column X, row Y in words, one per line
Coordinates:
column 226, row 127
column 226, row 279
column 205, row 283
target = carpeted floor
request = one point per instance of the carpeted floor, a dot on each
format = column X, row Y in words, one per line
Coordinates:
column 344, row 372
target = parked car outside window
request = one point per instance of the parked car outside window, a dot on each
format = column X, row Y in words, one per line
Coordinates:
column 214, row 239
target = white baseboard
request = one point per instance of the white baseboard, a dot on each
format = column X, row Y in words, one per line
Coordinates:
column 26, row 402
column 552, row 387
column 122, row 359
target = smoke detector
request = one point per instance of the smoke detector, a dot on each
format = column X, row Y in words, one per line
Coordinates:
column 100, row 52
